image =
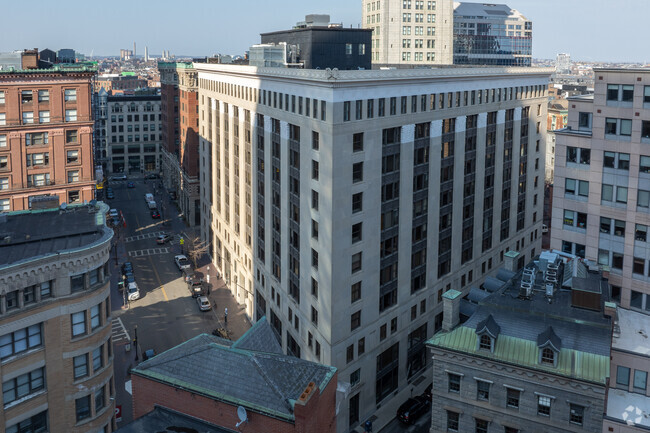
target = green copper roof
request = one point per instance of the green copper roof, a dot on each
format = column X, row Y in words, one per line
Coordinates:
column 571, row 363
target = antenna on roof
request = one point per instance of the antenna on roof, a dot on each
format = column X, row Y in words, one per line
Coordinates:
column 243, row 417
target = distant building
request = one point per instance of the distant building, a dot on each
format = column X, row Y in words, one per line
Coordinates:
column 55, row 321
column 210, row 378
column 533, row 356
column 66, row 55
column 491, row 34
column 48, row 55
column 563, row 63
column 405, row 32
column 273, row 55
column 114, row 83
column 628, row 396
column 100, row 107
column 317, row 44
column 180, row 137
column 46, row 137
column 558, row 111
column 11, row 60
column 134, row 128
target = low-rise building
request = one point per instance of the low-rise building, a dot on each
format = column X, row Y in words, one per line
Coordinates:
column 56, row 355
column 532, row 357
column 211, row 378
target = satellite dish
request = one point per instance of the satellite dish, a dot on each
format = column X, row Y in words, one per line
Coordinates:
column 63, row 206
column 243, row 417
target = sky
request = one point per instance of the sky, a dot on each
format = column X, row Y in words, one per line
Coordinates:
column 589, row 30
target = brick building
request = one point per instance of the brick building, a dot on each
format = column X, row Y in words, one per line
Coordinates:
column 180, row 123
column 209, row 377
column 56, row 356
column 46, row 136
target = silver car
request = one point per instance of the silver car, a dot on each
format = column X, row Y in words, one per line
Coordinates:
column 204, row 303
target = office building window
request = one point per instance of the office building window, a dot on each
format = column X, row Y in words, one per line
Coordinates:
column 70, row 115
column 80, row 364
column 82, row 407
column 34, row 424
column 452, row 421
column 576, row 414
column 20, row 341
column 78, row 321
column 70, row 95
column 543, row 405
column 23, row 385
column 453, row 382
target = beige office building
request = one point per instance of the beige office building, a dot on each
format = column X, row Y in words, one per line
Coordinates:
column 56, row 357
column 341, row 205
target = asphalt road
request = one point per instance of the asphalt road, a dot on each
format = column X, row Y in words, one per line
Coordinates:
column 165, row 315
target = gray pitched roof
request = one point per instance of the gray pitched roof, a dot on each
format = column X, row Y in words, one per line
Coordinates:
column 549, row 337
column 259, row 338
column 490, row 326
column 261, row 381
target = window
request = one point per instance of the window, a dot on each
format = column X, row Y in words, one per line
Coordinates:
column 314, row 316
column 452, row 420
column 73, row 156
column 643, row 198
column 70, row 95
column 80, row 364
column 20, row 341
column 355, row 377
column 640, row 380
column 356, row 262
column 4, row 183
column 346, row 106
column 315, row 139
column 98, row 359
column 485, row 342
column 481, row 425
column 543, row 405
column 82, row 406
column 355, row 292
column 576, row 187
column 357, row 172
column 621, row 194
column 548, row 356
column 28, row 117
column 578, row 155
column 314, row 200
column 355, row 320
column 357, row 202
column 23, row 385
column 95, row 317
column 623, row 376
column 78, row 323
column 73, row 176
column 357, row 142
column 43, row 96
column 2, row 97
column 357, row 232
column 3, row 119
column 70, row 115
column 43, row 117
column 71, row 136
column 512, row 397
column 482, row 390
column 99, row 399
column 361, row 346
column 27, row 96
column 576, row 414
column 454, row 382
column 3, row 140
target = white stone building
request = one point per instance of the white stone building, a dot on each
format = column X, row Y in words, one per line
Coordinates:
column 342, row 205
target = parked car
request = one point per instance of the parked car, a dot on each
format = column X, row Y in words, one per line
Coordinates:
column 130, row 185
column 127, row 266
column 148, row 197
column 114, row 222
column 204, row 303
column 152, row 205
column 196, row 286
column 163, row 238
column 129, row 277
column 133, row 293
column 413, row 409
column 155, row 214
column 113, row 213
column 182, row 262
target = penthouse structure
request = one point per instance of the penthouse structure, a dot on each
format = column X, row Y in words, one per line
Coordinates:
column 342, row 205
column 46, row 137
column 56, row 355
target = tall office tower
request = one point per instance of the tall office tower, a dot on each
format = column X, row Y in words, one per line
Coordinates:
column 601, row 196
column 55, row 321
column 135, row 126
column 341, row 205
column 491, row 34
column 46, row 137
column 563, row 63
column 146, row 54
column 180, row 135
column 410, row 32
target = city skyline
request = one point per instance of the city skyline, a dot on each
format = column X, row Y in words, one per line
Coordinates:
column 574, row 27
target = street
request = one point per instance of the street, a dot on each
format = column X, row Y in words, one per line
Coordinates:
column 165, row 315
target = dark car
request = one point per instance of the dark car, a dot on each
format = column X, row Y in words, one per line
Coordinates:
column 196, row 287
column 151, row 176
column 413, row 409
column 130, row 185
column 127, row 267
column 155, row 214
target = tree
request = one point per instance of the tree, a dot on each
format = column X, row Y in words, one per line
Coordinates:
column 195, row 249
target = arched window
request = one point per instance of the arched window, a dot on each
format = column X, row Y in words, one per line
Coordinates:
column 548, row 356
column 486, row 342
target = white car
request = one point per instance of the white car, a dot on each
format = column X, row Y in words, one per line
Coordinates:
column 204, row 303
column 119, row 177
column 182, row 262
column 133, row 292
column 113, row 213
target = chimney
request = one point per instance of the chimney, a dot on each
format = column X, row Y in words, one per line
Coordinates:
column 511, row 259
column 610, row 310
column 450, row 309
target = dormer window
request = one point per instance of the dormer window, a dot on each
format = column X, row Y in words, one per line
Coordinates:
column 548, row 356
column 486, row 342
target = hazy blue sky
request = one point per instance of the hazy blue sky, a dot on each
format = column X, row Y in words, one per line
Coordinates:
column 590, row 30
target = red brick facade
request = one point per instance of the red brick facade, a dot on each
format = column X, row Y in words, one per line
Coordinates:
column 42, row 152
column 316, row 415
column 189, row 134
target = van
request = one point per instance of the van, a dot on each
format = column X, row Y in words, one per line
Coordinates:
column 152, row 205
column 148, row 197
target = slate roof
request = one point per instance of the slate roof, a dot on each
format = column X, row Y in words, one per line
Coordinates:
column 490, row 326
column 163, row 420
column 582, row 336
column 249, row 372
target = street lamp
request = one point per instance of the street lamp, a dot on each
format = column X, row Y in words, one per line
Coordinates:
column 135, row 342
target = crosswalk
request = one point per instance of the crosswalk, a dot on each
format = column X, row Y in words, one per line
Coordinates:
column 148, row 252
column 119, row 332
column 143, row 236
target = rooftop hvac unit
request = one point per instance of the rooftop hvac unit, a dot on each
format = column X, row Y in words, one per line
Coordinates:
column 552, row 280
column 550, row 288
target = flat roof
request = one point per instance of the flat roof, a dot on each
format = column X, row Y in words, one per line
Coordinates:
column 633, row 333
column 28, row 235
column 317, row 28
column 628, row 407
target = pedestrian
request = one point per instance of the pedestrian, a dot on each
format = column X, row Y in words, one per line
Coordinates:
column 225, row 316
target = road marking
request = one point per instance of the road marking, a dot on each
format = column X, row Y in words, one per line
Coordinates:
column 148, row 252
column 152, row 265
column 118, row 331
column 143, row 236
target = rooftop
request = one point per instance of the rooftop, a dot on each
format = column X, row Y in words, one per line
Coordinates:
column 633, row 332
column 530, row 315
column 26, row 235
column 163, row 420
column 265, row 380
column 486, row 10
column 629, row 407
column 59, row 69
